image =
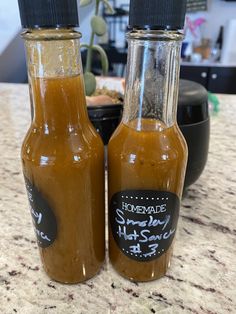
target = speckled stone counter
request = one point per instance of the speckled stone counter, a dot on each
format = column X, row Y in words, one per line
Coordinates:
column 202, row 277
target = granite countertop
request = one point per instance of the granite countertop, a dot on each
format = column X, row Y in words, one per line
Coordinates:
column 203, row 272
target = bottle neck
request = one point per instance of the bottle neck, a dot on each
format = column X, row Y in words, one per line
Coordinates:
column 55, row 79
column 152, row 80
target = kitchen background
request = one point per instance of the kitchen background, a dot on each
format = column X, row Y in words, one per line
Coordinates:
column 208, row 54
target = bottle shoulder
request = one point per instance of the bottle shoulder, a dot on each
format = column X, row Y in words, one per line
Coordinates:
column 168, row 143
column 74, row 146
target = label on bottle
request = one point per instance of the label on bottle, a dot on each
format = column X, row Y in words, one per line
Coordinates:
column 44, row 220
column 144, row 222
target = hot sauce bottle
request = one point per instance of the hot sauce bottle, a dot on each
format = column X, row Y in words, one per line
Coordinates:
column 147, row 154
column 62, row 155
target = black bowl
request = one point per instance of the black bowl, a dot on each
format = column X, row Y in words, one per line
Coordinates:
column 105, row 119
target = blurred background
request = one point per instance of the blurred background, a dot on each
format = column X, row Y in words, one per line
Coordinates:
column 208, row 52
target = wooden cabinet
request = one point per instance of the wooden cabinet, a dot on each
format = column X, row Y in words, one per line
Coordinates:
column 197, row 74
column 216, row 79
column 222, row 80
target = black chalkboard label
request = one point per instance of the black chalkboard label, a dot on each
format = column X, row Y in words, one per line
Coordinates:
column 44, row 220
column 144, row 222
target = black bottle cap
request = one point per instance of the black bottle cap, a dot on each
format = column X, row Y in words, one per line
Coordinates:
column 157, row 14
column 48, row 13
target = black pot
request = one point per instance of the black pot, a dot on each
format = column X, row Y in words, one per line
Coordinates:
column 193, row 120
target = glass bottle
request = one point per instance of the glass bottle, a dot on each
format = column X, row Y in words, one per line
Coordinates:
column 147, row 154
column 62, row 154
